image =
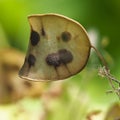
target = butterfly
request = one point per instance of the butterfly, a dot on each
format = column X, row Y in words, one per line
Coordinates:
column 59, row 47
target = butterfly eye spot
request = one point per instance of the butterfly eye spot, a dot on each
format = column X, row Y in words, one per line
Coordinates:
column 35, row 38
column 65, row 36
column 31, row 60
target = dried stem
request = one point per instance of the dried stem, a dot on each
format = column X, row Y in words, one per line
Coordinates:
column 101, row 58
column 105, row 71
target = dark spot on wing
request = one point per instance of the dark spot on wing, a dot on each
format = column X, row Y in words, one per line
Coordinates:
column 43, row 31
column 53, row 59
column 65, row 56
column 35, row 38
column 65, row 36
column 31, row 60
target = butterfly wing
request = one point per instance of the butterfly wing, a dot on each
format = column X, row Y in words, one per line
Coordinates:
column 59, row 48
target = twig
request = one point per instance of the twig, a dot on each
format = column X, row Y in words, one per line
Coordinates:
column 105, row 72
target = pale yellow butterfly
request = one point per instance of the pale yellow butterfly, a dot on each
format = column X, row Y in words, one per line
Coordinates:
column 59, row 47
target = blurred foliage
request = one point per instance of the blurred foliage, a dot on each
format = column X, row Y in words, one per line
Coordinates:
column 113, row 112
column 12, row 87
column 101, row 15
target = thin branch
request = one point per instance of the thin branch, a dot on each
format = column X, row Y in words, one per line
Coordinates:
column 105, row 71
